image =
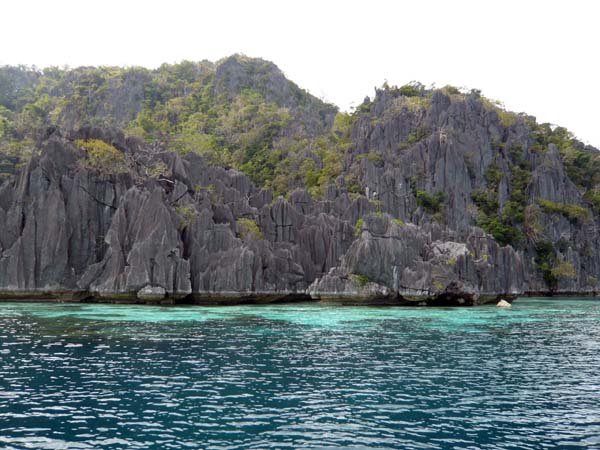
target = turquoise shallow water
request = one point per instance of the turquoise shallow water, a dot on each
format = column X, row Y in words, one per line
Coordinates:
column 300, row 376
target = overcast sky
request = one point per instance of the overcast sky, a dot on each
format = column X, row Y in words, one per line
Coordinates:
column 538, row 57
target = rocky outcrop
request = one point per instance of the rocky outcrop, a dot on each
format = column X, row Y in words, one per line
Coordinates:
column 143, row 249
column 69, row 229
column 430, row 177
column 423, row 265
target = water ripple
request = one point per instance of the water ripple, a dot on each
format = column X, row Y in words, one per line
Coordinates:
column 300, row 376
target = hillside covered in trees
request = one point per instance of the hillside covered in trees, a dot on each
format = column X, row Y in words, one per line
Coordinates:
column 226, row 181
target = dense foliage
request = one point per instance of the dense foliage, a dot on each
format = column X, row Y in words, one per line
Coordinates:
column 102, row 157
column 239, row 112
column 248, row 228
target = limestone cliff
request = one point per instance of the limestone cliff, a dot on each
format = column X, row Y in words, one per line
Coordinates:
column 424, row 196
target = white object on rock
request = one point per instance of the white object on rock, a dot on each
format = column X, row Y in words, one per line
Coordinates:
column 503, row 304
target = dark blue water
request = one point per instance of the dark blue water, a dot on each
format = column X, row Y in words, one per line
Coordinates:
column 298, row 376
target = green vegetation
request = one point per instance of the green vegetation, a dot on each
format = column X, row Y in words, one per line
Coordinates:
column 505, row 234
column 572, row 212
column 497, row 145
column 430, row 203
column 412, row 89
column 378, row 204
column 103, row 157
column 451, row 90
column 374, row 156
column 361, row 280
column 486, row 200
column 493, row 176
column 262, row 132
column 593, row 198
column 358, row 227
column 187, row 214
column 564, row 270
column 514, row 210
column 416, row 136
column 582, row 164
column 507, row 118
column 545, row 260
column 416, row 103
column 318, row 167
column 502, row 223
column 248, row 228
column 553, row 270
column 158, row 169
column 400, row 222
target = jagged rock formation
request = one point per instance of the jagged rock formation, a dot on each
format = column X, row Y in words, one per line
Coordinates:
column 437, row 198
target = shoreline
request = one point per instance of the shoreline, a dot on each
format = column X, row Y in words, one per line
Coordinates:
column 229, row 299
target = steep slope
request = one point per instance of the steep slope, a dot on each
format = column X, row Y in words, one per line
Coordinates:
column 237, row 111
column 461, row 161
column 230, row 183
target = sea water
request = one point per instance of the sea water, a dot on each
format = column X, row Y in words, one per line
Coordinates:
column 81, row 376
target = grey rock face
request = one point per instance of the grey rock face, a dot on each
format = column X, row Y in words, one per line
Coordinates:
column 424, row 264
column 143, row 249
column 206, row 232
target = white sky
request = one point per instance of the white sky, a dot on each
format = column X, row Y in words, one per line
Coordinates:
column 540, row 57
